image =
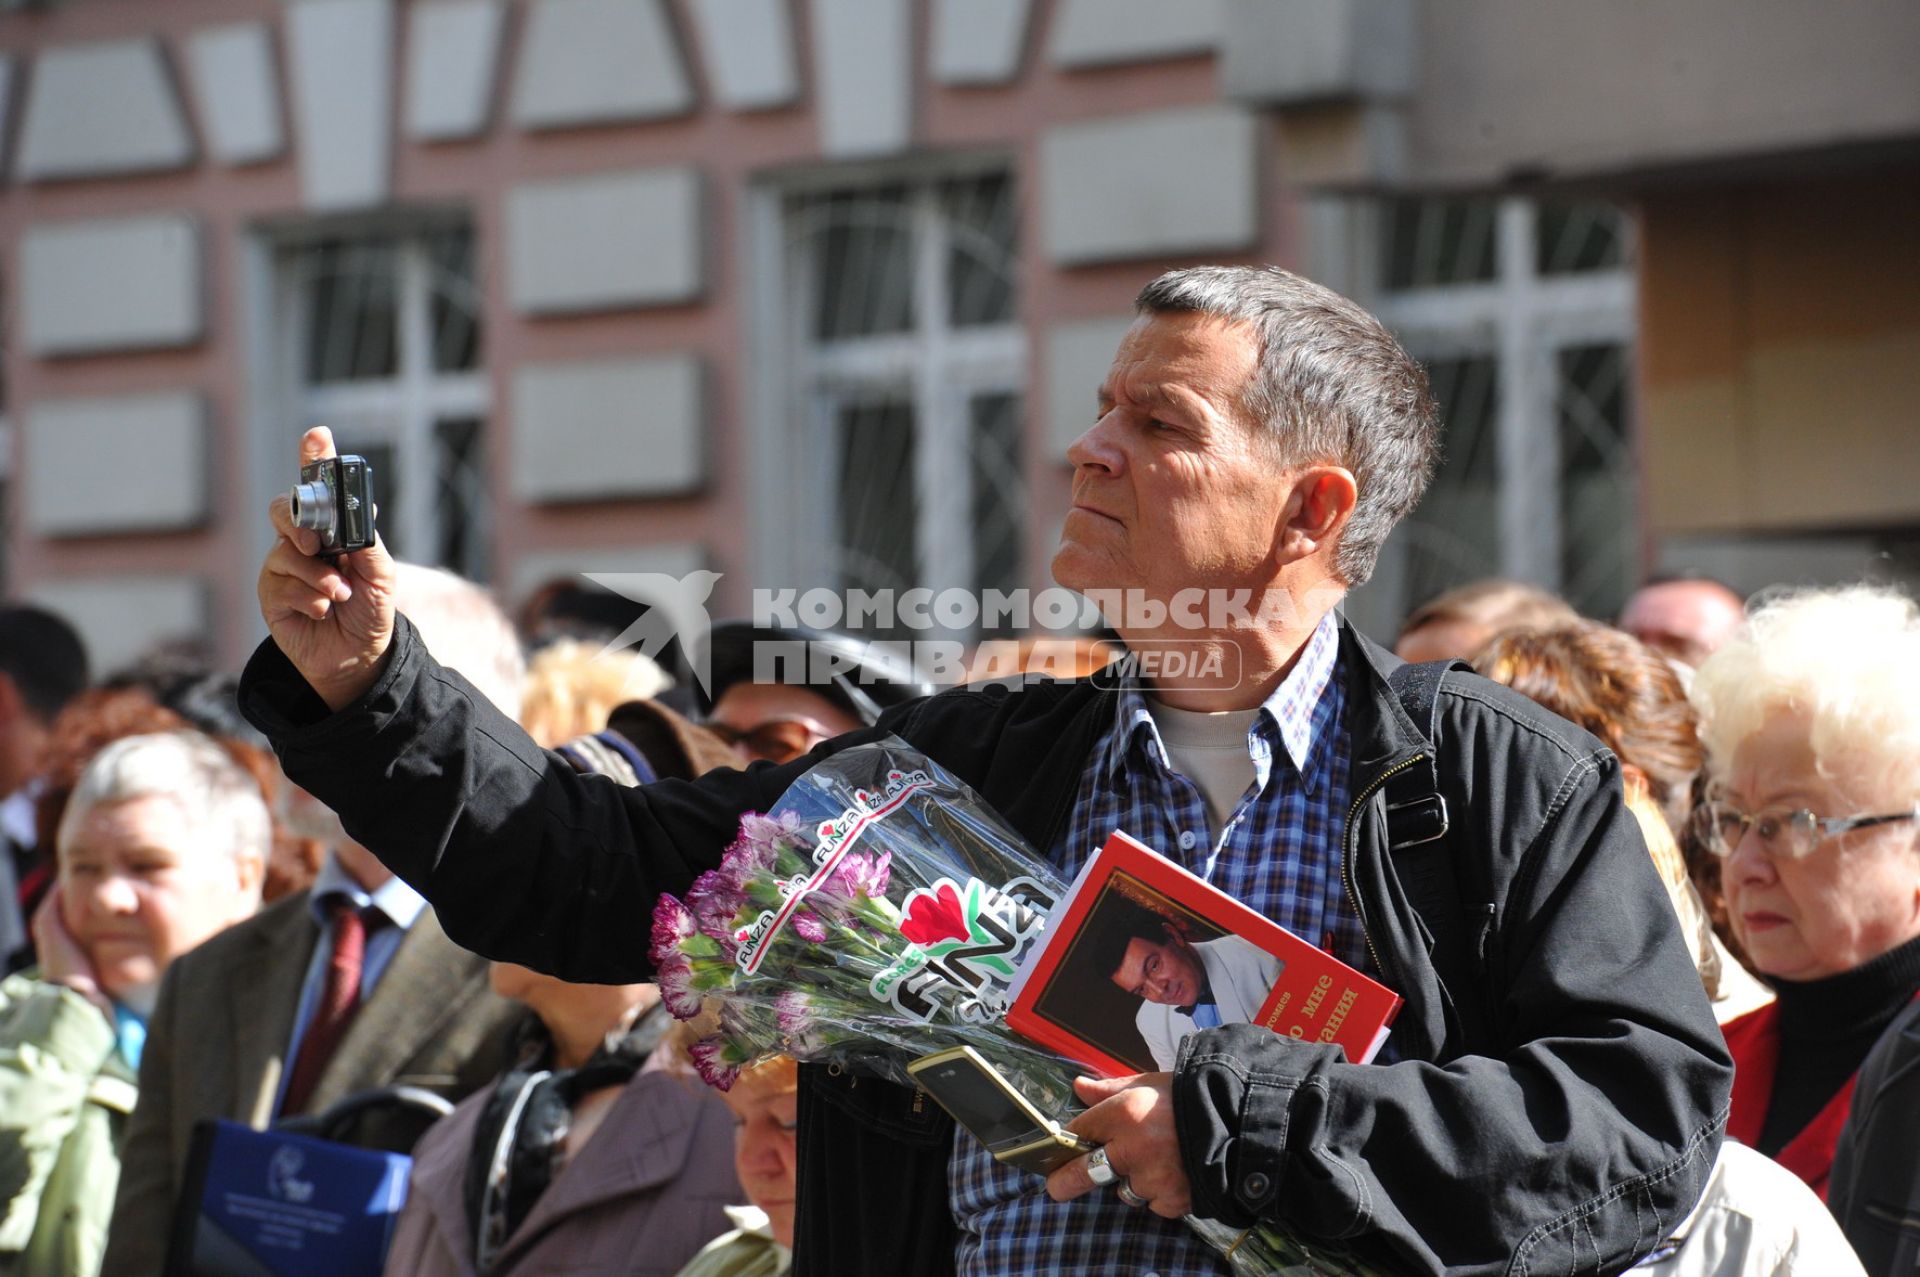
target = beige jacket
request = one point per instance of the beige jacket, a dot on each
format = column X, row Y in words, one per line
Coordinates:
column 1756, row 1219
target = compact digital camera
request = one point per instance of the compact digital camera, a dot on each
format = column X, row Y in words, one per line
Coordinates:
column 335, row 498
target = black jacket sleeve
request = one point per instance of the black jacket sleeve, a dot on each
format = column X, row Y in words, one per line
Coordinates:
column 1570, row 1143
column 524, row 859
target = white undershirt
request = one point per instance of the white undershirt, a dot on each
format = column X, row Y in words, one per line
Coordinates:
column 1210, row 750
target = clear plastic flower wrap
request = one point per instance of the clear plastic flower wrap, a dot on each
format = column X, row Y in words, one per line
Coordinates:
column 879, row 913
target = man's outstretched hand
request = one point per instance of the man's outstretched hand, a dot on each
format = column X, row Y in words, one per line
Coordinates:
column 334, row 621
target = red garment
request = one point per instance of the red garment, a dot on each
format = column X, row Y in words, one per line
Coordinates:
column 1754, row 1040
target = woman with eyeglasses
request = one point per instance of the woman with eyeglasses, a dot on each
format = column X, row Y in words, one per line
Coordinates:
column 1811, row 719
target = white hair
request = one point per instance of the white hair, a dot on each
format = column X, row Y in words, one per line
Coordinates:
column 465, row 630
column 218, row 795
column 1848, row 659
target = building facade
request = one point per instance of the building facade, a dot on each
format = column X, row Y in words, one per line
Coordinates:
column 815, row 292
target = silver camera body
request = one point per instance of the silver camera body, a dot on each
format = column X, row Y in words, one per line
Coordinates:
column 335, row 499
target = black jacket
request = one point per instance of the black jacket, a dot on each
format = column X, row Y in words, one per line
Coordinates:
column 1555, row 1112
column 1875, row 1187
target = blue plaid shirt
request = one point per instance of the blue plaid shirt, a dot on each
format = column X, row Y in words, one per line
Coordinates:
column 1279, row 853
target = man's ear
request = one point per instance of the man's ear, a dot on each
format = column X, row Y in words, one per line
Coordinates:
column 1318, row 508
column 250, row 874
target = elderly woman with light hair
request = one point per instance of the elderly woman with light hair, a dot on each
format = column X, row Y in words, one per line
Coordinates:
column 1811, row 719
column 163, row 842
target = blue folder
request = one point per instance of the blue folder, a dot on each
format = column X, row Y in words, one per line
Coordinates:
column 272, row 1204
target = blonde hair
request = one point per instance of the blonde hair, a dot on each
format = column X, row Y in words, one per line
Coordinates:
column 1849, row 660
column 572, row 687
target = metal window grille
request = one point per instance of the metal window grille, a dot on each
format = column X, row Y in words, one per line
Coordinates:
column 1524, row 315
column 381, row 342
column 908, row 365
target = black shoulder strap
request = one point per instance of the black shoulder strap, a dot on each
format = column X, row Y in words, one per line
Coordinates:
column 1418, row 822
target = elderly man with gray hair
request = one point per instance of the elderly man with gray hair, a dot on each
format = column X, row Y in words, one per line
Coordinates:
column 1551, row 1096
column 345, row 987
column 163, row 843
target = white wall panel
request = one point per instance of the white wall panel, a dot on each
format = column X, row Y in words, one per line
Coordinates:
column 747, row 49
column 863, row 70
column 103, row 109
column 598, row 62
column 342, row 66
column 453, row 53
column 1088, row 33
column 608, row 428
column 128, row 463
column 122, row 283
column 1147, row 185
column 238, row 92
column 1329, row 50
column 979, row 41
column 610, row 240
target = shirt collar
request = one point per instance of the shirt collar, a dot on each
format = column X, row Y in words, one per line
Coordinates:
column 16, row 813
column 398, row 902
column 1288, row 712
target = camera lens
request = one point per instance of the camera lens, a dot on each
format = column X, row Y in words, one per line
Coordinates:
column 313, row 508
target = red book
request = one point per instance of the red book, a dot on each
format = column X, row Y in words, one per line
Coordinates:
column 1140, row 953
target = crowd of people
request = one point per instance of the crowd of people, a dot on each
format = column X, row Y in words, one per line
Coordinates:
column 1660, row 948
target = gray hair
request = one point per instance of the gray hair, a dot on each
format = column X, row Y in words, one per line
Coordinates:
column 465, row 630
column 218, row 795
column 1333, row 386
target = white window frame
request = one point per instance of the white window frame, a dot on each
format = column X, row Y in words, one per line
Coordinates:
column 797, row 385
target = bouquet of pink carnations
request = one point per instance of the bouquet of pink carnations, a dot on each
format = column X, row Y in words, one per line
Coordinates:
column 879, row 913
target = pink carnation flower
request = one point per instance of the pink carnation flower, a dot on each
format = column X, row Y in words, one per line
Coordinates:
column 672, row 923
column 714, row 901
column 675, row 978
column 710, row 1059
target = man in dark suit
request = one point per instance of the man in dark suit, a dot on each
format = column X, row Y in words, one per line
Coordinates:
column 345, row 987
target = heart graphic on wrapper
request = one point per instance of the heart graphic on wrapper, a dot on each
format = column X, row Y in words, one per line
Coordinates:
column 935, row 915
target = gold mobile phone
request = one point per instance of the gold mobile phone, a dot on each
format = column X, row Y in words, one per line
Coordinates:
column 984, row 1102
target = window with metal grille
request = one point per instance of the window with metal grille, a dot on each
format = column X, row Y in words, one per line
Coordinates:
column 906, row 366
column 1523, row 313
column 380, row 341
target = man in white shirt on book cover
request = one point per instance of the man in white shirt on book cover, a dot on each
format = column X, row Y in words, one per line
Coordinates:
column 1183, row 986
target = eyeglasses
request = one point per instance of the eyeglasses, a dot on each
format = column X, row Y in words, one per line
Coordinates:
column 1784, row 835
column 778, row 740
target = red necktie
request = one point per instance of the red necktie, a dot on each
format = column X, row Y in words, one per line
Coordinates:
column 338, row 1001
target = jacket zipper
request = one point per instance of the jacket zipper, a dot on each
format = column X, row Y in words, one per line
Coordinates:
column 1346, row 861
